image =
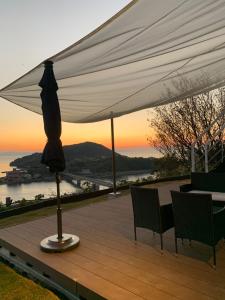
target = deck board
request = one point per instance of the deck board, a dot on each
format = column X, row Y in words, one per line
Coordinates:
column 109, row 263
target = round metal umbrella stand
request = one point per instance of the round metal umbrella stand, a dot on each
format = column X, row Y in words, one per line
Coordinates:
column 59, row 242
column 53, row 244
column 53, row 156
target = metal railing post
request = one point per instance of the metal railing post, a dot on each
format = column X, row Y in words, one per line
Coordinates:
column 222, row 151
column 200, row 137
column 206, row 159
column 192, row 158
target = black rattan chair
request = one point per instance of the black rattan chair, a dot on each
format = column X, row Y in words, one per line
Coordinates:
column 195, row 218
column 148, row 213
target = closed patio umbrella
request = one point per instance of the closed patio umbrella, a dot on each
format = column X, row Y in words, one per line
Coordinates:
column 53, row 155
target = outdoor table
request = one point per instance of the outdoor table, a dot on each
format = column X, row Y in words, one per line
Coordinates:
column 217, row 197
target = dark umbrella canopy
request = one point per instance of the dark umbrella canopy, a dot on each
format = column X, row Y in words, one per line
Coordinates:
column 52, row 155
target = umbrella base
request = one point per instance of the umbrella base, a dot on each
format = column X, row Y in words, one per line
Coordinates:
column 53, row 244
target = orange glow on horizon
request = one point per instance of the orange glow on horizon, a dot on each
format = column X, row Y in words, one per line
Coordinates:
column 23, row 131
column 33, row 144
column 18, row 146
column 120, row 142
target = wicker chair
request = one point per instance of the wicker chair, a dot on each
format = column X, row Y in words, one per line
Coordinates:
column 148, row 213
column 195, row 218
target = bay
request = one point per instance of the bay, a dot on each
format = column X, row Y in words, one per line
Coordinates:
column 6, row 158
column 146, row 151
column 30, row 190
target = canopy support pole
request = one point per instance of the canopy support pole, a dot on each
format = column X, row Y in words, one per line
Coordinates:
column 114, row 193
column 113, row 156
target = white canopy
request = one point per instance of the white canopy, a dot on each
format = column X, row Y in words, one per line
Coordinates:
column 150, row 53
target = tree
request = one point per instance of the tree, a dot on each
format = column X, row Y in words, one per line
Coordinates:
column 179, row 124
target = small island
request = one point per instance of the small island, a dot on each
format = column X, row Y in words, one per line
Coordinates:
column 85, row 159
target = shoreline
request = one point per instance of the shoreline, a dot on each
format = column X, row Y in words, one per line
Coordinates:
column 107, row 175
column 44, row 180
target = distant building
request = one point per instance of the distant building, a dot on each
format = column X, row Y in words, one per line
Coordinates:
column 15, row 176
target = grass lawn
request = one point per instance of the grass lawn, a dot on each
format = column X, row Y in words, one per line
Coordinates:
column 16, row 287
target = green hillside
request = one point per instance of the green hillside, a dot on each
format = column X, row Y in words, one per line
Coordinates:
column 88, row 156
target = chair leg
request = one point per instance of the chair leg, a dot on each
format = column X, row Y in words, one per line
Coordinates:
column 214, row 256
column 182, row 241
column 176, row 247
column 135, row 233
column 161, row 241
column 189, row 242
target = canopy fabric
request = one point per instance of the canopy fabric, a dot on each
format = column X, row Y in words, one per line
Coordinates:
column 151, row 53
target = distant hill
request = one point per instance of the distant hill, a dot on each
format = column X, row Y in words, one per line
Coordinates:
column 94, row 157
column 86, row 150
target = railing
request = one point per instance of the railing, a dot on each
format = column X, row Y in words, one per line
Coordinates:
column 210, row 158
column 210, row 154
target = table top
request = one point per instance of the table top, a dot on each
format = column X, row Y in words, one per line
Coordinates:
column 216, row 196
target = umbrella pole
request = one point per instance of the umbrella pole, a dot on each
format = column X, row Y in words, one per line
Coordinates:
column 59, row 209
column 59, row 242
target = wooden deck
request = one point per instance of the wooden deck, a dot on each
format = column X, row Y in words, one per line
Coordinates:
column 108, row 263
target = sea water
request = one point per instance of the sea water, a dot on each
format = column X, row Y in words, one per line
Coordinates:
column 30, row 190
column 27, row 190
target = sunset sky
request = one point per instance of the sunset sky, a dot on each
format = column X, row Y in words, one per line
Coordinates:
column 32, row 31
